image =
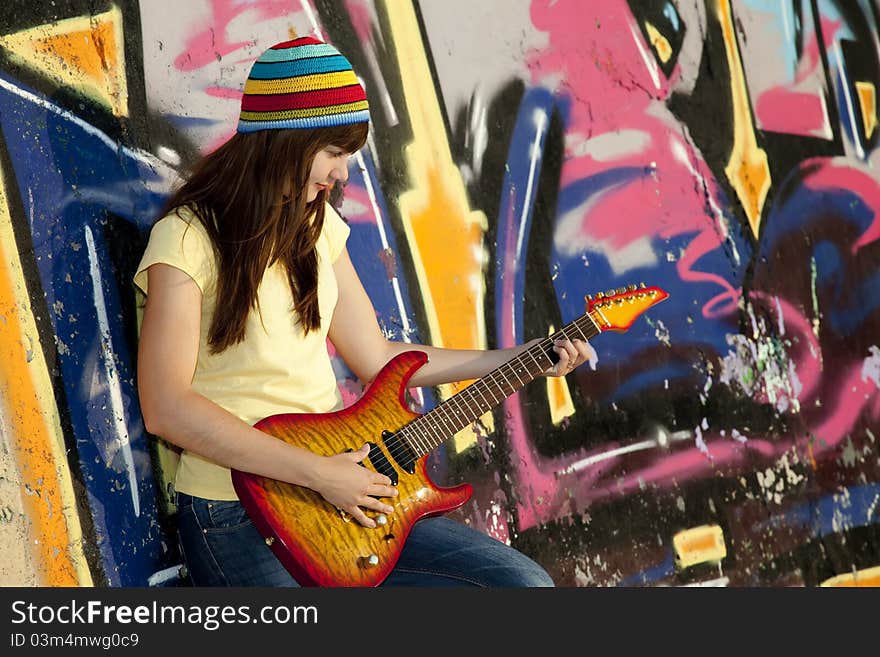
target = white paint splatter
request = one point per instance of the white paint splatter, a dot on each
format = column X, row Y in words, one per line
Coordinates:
column 774, row 479
column 763, row 370
column 780, row 316
column 609, row 146
column 873, row 508
column 662, row 333
column 736, row 435
column 871, row 366
column 700, row 443
column 840, row 520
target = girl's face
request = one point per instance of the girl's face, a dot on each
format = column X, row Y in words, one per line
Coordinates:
column 329, row 167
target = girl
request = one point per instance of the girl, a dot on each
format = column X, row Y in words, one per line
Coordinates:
column 246, row 276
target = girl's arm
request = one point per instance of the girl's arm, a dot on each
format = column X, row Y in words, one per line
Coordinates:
column 356, row 335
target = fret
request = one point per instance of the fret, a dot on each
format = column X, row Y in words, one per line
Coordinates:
column 478, row 386
column 457, row 412
column 461, row 418
column 423, row 438
column 489, row 390
column 426, row 420
column 411, row 429
column 521, row 382
column 595, row 325
column 442, row 412
column 475, row 413
column 512, row 388
column 541, row 368
column 579, row 330
column 472, row 399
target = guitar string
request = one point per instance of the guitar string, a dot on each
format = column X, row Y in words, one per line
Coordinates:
column 414, row 436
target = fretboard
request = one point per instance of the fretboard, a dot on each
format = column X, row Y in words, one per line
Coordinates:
column 438, row 425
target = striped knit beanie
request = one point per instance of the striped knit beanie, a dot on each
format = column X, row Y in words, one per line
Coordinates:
column 304, row 83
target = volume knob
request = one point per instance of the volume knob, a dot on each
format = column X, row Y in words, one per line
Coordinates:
column 370, row 561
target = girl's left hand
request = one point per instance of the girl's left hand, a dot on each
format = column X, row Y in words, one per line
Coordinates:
column 571, row 354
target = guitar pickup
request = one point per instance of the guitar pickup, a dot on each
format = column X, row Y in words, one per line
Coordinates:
column 400, row 452
column 381, row 464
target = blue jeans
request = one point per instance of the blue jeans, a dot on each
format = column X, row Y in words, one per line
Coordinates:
column 221, row 547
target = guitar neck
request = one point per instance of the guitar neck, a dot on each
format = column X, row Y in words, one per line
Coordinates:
column 428, row 431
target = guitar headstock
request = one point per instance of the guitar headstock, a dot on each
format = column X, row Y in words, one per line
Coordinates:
column 616, row 310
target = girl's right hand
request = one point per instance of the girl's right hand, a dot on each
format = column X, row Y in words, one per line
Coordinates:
column 352, row 488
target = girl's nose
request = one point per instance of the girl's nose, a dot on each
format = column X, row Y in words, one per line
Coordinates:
column 340, row 172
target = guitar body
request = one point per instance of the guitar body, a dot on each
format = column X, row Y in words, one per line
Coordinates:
column 320, row 546
column 317, row 544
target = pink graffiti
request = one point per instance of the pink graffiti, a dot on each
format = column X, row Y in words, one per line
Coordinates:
column 599, row 64
column 210, row 45
column 839, row 173
column 359, row 205
column 784, row 108
column 856, row 394
column 359, row 13
column 780, row 109
column 601, row 61
column 213, row 43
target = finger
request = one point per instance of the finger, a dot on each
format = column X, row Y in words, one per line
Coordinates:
column 562, row 349
column 361, row 453
column 382, row 490
column 376, row 504
column 362, row 518
column 582, row 352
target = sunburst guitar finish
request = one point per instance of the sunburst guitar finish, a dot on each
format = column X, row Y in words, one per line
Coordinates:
column 321, row 546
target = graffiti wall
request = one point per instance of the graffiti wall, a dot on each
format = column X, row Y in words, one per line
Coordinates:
column 523, row 155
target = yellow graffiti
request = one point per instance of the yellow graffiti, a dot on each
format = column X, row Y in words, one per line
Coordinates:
column 558, row 395
column 659, row 42
column 747, row 170
column 699, row 545
column 869, row 577
column 868, row 100
column 84, row 54
column 46, row 526
column 444, row 234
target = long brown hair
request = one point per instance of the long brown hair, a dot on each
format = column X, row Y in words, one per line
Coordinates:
column 250, row 195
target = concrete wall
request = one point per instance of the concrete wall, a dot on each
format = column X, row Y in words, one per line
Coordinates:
column 524, row 153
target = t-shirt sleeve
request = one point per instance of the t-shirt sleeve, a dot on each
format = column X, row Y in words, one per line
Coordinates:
column 336, row 231
column 179, row 241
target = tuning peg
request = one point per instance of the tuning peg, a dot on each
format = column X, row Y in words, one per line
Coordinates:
column 642, row 285
column 609, row 293
column 632, row 287
column 589, row 297
column 600, row 295
column 621, row 290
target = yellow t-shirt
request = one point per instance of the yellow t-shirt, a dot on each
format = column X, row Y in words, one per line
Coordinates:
column 276, row 369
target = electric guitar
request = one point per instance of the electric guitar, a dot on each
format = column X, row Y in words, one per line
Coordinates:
column 322, row 546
